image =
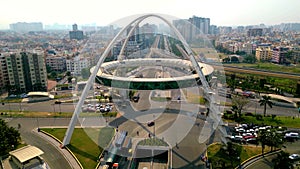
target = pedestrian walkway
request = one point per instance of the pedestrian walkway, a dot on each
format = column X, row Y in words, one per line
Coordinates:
column 68, row 156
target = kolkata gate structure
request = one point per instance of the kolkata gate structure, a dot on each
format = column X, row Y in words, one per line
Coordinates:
column 200, row 76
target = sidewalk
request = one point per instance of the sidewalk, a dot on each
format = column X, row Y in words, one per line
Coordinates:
column 68, row 156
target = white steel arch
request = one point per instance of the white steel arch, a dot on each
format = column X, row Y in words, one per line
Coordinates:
column 205, row 85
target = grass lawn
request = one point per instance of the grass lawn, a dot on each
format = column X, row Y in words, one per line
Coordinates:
column 65, row 95
column 196, row 99
column 161, row 99
column 277, row 121
column 152, row 142
column 269, row 66
column 11, row 100
column 86, row 144
column 217, row 155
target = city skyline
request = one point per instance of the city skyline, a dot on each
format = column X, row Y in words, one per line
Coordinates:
column 226, row 13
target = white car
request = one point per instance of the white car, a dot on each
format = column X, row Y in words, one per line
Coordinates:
column 294, row 156
column 292, row 135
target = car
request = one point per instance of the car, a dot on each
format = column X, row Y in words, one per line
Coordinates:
column 294, row 157
column 108, row 108
column 150, row 123
column 23, row 95
column 238, row 138
column 12, row 96
column 251, row 140
column 136, row 98
column 247, row 134
column 291, row 135
column 248, row 137
column 57, row 102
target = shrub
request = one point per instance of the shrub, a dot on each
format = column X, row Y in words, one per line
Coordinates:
column 248, row 114
column 259, row 117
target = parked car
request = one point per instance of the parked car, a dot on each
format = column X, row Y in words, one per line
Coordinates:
column 291, row 135
column 12, row 96
column 150, row 123
column 23, row 95
column 294, row 157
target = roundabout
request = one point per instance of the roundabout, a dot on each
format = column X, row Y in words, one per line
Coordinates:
column 106, row 76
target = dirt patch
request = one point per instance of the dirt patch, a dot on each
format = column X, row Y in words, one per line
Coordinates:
column 51, row 84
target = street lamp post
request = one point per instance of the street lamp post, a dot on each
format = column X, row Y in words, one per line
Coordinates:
column 9, row 109
column 206, row 155
column 154, row 125
column 59, row 108
column 239, row 159
column 53, row 108
column 20, row 106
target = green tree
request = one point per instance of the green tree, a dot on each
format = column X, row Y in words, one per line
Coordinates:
column 232, row 152
column 226, row 60
column 263, row 139
column 275, row 139
column 249, row 59
column 85, row 73
column 9, row 138
column 48, row 69
column 53, row 75
column 270, row 138
column 231, row 82
column 70, row 79
column 238, row 104
column 264, row 101
column 68, row 73
column 282, row 161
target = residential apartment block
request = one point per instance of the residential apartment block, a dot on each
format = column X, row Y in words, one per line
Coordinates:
column 3, row 73
column 264, row 52
column 56, row 63
column 75, row 65
column 26, row 71
column 279, row 55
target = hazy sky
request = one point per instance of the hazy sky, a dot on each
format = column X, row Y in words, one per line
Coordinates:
column 221, row 12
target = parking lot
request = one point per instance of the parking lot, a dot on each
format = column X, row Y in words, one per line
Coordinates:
column 248, row 133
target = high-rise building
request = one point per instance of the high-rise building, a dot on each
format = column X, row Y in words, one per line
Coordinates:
column 240, row 29
column 3, row 73
column 202, row 24
column 255, row 32
column 26, row 71
column 75, row 33
column 214, row 30
column 75, row 27
column 184, row 27
column 134, row 35
column 26, row 27
column 225, row 29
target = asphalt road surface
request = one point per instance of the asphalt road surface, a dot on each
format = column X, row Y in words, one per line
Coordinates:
column 266, row 163
column 187, row 152
column 45, row 106
column 51, row 155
